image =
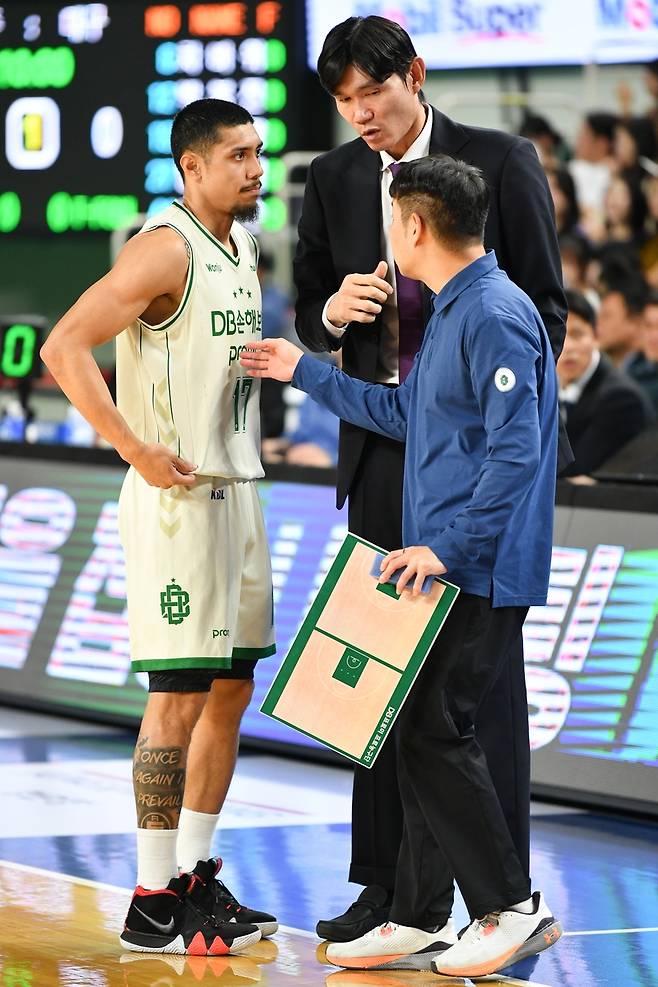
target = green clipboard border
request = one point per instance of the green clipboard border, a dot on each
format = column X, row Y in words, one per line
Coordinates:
column 407, row 677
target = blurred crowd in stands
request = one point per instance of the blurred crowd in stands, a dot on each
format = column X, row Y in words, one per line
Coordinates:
column 605, row 191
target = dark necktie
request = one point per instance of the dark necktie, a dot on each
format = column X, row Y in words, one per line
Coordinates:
column 410, row 312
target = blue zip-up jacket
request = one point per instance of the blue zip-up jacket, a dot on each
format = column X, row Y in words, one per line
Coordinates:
column 479, row 415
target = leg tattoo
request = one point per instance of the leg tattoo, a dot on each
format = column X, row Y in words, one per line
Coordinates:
column 159, row 782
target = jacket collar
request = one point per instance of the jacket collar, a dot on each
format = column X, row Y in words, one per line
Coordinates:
column 473, row 272
column 447, row 136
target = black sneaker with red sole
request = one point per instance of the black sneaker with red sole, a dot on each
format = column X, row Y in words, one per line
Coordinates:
column 224, row 906
column 173, row 921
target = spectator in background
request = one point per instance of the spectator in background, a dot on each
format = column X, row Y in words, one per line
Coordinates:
column 278, row 313
column 314, row 442
column 625, row 212
column 634, row 144
column 592, row 167
column 643, row 367
column 651, row 83
column 649, row 249
column 576, row 254
column 613, row 263
column 602, row 408
column 549, row 144
column 278, row 320
column 620, row 318
column 563, row 191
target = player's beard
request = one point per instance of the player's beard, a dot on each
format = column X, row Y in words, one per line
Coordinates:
column 246, row 214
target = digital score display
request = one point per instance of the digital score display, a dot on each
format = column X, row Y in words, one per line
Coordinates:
column 20, row 343
column 591, row 653
column 88, row 93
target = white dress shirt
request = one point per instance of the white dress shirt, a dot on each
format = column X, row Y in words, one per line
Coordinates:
column 572, row 393
column 387, row 363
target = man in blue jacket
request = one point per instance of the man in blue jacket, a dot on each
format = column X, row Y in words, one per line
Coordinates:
column 479, row 415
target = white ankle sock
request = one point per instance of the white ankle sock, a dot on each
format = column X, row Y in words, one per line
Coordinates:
column 526, row 907
column 156, row 857
column 195, row 833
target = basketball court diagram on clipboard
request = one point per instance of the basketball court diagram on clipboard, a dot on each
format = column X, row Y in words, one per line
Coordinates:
column 356, row 655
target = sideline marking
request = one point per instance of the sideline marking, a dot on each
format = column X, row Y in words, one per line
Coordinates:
column 27, row 868
column 611, row 932
column 42, row 872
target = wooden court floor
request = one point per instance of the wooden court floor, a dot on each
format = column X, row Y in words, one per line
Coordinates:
column 58, row 931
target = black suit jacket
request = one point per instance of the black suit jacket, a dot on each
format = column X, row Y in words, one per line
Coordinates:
column 340, row 230
column 611, row 411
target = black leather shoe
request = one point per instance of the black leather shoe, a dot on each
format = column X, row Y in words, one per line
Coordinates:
column 371, row 909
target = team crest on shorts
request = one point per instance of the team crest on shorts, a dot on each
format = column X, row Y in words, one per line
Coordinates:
column 174, row 603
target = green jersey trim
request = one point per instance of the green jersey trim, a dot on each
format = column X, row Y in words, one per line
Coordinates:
column 251, row 653
column 171, row 404
column 164, row 664
column 188, row 286
column 234, row 260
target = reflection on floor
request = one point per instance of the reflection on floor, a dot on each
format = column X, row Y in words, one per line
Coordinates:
column 69, row 864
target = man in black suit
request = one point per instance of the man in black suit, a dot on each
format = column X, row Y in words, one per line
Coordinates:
column 350, row 296
column 602, row 407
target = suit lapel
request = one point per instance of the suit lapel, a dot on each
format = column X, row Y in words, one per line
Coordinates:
column 363, row 206
column 447, row 136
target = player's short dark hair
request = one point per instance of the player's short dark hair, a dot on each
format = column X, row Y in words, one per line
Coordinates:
column 578, row 305
column 375, row 45
column 450, row 195
column 198, row 126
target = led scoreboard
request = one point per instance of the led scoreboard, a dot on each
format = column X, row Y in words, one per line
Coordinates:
column 88, row 92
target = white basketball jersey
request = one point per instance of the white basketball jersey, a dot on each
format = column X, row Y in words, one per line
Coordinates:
column 180, row 383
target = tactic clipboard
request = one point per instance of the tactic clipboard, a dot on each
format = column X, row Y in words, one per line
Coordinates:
column 356, row 655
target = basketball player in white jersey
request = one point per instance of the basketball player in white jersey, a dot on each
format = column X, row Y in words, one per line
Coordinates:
column 182, row 300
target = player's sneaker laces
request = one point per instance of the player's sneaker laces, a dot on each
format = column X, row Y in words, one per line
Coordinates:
column 171, row 921
column 393, row 947
column 224, row 906
column 498, row 940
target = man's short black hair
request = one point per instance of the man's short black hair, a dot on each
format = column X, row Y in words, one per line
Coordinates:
column 633, row 291
column 375, row 45
column 578, row 305
column 602, row 124
column 534, row 125
column 450, row 195
column 197, row 126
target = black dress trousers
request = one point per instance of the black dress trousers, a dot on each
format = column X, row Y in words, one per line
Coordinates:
column 445, row 784
column 375, row 513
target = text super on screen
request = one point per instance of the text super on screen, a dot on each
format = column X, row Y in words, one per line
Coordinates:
column 88, row 93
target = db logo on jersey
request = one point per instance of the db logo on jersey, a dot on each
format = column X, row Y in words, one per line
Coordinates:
column 504, row 379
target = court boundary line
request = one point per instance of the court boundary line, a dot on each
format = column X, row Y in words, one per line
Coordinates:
column 72, row 879
column 612, row 932
column 43, row 872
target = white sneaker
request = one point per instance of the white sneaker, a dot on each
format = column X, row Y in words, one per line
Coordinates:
column 499, row 939
column 393, row 947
